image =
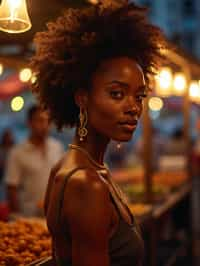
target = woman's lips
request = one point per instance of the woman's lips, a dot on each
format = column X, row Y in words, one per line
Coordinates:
column 128, row 127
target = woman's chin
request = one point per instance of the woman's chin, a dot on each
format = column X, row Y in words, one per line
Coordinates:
column 124, row 138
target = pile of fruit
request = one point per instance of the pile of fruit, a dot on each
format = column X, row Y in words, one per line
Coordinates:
column 136, row 192
column 171, row 179
column 23, row 241
column 128, row 175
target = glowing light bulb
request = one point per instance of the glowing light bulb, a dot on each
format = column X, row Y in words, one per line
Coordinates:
column 17, row 104
column 14, row 16
column 25, row 74
column 164, row 82
column 194, row 92
column 1, row 69
column 93, row 2
column 179, row 84
column 155, row 104
column 33, row 79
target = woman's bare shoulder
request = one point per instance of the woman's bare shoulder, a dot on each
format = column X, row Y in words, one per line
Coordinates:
column 84, row 179
column 87, row 212
column 86, row 190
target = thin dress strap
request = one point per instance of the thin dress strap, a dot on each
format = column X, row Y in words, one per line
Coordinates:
column 62, row 192
column 60, row 204
column 118, row 194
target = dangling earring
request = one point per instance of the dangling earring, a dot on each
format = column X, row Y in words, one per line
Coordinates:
column 82, row 130
column 119, row 145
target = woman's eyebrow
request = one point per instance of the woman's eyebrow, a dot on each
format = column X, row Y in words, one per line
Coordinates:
column 118, row 82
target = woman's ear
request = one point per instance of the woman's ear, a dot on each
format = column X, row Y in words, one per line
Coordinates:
column 81, row 98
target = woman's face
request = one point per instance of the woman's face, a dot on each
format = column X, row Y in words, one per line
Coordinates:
column 115, row 101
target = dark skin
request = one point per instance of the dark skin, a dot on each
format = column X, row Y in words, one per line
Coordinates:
column 114, row 105
column 39, row 128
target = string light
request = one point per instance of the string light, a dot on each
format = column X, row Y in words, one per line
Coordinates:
column 17, row 104
column 25, row 74
column 155, row 103
column 194, row 92
column 179, row 84
column 93, row 2
column 164, row 82
column 1, row 69
column 33, row 79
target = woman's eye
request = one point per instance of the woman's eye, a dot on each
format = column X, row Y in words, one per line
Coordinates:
column 117, row 94
column 141, row 97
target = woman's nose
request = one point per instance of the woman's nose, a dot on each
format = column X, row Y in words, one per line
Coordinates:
column 133, row 112
column 132, row 106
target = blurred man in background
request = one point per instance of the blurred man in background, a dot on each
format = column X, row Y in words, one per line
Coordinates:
column 6, row 143
column 29, row 164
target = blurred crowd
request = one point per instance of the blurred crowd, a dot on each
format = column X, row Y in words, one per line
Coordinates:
column 25, row 166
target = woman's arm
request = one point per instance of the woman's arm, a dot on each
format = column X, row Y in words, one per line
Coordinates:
column 87, row 210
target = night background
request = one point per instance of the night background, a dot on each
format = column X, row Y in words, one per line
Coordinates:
column 158, row 170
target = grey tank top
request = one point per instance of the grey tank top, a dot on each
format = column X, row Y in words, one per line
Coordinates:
column 125, row 246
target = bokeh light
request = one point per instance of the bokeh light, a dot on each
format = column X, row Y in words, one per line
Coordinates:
column 155, row 104
column 25, row 74
column 179, row 84
column 17, row 103
column 1, row 69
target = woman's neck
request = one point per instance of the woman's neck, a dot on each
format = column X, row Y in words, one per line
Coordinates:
column 94, row 144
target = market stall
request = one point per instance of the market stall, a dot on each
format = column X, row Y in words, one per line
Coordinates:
column 155, row 197
column 167, row 191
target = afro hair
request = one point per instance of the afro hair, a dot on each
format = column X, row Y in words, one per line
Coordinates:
column 72, row 47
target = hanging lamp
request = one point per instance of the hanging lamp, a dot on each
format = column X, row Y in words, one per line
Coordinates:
column 14, row 16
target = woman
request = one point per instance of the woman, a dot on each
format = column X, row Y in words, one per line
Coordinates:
column 92, row 67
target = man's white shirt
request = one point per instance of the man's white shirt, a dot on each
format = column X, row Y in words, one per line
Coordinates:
column 28, row 169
